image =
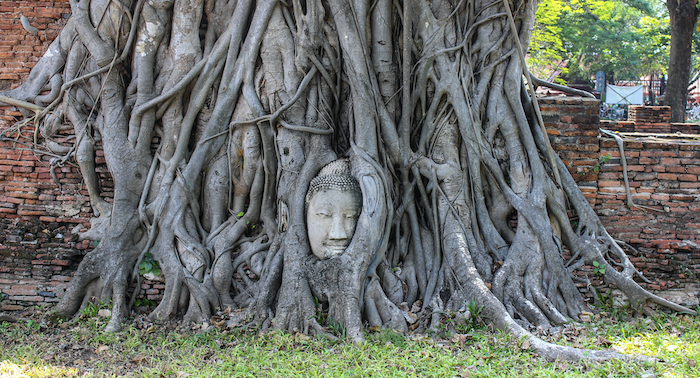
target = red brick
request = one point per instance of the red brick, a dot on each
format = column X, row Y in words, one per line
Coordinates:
column 21, row 290
column 670, row 161
column 667, row 176
column 675, row 169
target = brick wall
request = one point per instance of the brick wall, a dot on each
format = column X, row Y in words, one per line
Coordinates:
column 38, row 249
column 36, row 261
column 651, row 119
column 20, row 50
column 663, row 175
column 572, row 125
column 39, row 246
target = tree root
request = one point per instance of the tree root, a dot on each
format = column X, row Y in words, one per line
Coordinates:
column 7, row 318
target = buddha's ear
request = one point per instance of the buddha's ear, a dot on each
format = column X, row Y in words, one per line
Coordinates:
column 370, row 190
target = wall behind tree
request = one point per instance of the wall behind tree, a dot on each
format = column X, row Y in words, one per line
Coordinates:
column 663, row 174
column 19, row 49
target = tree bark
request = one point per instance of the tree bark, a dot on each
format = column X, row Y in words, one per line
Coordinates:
column 683, row 15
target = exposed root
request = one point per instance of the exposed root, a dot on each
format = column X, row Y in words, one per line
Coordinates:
column 7, row 318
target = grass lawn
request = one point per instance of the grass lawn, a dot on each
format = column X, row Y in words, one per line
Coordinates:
column 78, row 348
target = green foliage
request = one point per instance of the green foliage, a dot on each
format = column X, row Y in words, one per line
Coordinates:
column 149, row 265
column 336, row 327
column 3, row 296
column 390, row 336
column 604, row 301
column 333, row 325
column 547, row 52
column 94, row 306
column 90, row 310
column 602, row 160
column 25, row 350
column 321, row 314
column 625, row 39
column 475, row 310
column 144, row 302
column 598, row 268
column 474, row 320
column 34, row 351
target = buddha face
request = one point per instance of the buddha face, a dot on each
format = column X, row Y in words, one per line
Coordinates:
column 331, row 217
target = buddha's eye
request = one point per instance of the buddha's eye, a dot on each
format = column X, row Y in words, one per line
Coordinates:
column 323, row 214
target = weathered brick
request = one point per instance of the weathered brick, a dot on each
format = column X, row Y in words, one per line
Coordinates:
column 667, row 176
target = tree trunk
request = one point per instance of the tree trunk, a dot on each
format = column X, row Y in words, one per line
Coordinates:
column 216, row 115
column 684, row 16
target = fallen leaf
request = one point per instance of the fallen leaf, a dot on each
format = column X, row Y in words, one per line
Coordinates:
column 182, row 374
column 104, row 313
column 692, row 363
column 603, row 341
column 101, row 349
column 374, row 328
column 78, row 362
column 138, row 359
column 417, row 305
column 459, row 339
column 525, row 345
column 410, row 317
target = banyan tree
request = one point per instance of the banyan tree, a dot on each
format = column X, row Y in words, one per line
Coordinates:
column 216, row 117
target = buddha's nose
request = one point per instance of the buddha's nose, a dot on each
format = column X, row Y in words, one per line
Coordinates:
column 337, row 231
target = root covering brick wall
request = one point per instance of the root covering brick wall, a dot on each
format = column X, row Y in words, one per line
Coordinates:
column 663, row 176
column 39, row 246
column 20, row 50
column 39, row 251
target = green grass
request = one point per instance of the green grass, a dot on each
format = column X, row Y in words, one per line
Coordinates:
column 80, row 349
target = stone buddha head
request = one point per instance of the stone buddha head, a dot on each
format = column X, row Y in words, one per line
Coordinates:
column 333, row 205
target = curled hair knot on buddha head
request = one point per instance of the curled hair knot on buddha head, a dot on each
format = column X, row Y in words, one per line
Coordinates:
column 334, row 176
